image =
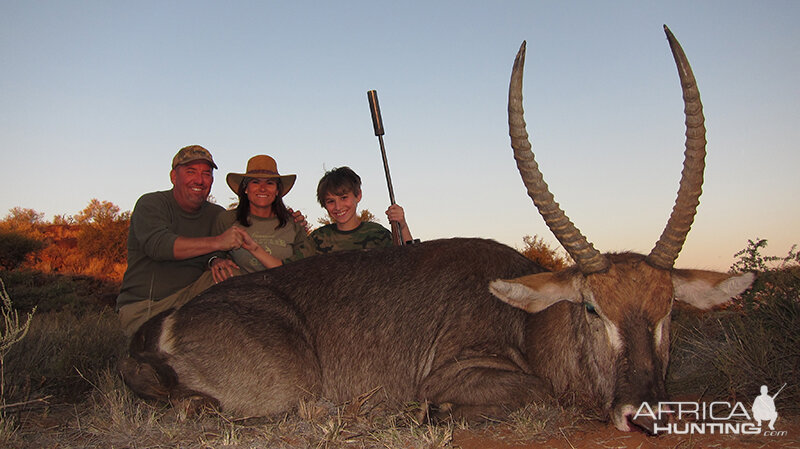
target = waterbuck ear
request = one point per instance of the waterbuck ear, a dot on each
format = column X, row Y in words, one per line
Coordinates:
column 706, row 289
column 535, row 292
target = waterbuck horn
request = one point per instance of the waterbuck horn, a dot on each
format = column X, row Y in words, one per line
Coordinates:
column 588, row 259
column 680, row 221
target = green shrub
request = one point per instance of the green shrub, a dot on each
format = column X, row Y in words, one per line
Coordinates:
column 751, row 259
column 730, row 353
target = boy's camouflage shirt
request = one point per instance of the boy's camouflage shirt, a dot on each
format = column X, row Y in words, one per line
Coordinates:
column 368, row 234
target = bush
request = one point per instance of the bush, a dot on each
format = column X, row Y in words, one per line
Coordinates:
column 53, row 293
column 540, row 252
column 774, row 277
column 751, row 259
column 365, row 215
column 15, row 248
column 103, row 232
column 92, row 242
column 24, row 221
column 104, row 242
column 730, row 353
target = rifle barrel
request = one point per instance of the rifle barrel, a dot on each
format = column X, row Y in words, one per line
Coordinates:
column 375, row 111
column 377, row 125
column 779, row 391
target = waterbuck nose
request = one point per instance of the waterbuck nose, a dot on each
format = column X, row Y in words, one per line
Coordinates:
column 648, row 422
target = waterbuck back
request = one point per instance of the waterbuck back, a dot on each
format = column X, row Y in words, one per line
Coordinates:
column 416, row 322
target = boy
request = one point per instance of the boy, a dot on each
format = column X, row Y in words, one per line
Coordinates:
column 339, row 192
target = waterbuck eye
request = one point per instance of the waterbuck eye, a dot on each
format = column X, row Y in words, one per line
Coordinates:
column 590, row 308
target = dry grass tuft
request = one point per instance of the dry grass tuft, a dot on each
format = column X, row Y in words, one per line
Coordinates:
column 729, row 354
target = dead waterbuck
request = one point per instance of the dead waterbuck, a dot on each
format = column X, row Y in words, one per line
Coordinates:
column 423, row 322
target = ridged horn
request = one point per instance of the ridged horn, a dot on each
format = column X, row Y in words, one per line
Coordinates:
column 588, row 259
column 671, row 242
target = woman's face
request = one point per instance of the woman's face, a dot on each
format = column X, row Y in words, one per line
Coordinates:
column 261, row 193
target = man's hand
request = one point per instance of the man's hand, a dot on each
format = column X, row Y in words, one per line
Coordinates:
column 230, row 239
column 299, row 218
column 188, row 247
column 222, row 269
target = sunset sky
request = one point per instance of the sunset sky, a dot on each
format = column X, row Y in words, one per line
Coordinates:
column 96, row 97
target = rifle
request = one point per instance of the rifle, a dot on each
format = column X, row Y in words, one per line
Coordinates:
column 377, row 125
column 779, row 391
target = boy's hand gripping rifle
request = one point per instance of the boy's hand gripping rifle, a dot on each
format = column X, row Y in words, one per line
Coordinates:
column 377, row 124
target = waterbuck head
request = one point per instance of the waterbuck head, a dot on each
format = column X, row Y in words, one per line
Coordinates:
column 627, row 297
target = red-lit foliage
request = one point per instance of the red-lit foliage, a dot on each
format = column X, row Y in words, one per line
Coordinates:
column 540, row 252
column 91, row 243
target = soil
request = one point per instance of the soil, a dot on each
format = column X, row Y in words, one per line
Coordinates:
column 601, row 435
column 44, row 429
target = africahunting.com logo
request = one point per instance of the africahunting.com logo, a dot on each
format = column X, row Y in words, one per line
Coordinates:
column 718, row 417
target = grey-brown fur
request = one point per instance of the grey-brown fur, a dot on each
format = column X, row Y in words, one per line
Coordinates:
column 417, row 321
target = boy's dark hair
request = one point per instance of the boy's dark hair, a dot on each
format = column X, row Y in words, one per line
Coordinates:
column 338, row 181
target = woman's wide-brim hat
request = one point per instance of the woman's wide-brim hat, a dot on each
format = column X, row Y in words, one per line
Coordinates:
column 261, row 167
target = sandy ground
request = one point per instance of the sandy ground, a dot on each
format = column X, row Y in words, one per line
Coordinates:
column 600, row 435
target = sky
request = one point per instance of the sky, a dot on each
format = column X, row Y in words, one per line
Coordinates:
column 96, row 97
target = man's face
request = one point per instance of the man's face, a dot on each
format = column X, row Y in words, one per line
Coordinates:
column 192, row 184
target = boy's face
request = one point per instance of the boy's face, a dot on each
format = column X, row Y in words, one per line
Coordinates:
column 343, row 209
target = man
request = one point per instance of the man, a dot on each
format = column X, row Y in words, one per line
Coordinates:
column 170, row 242
column 764, row 407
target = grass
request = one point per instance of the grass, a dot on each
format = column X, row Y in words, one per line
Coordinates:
column 64, row 373
column 50, row 292
column 731, row 353
column 64, row 370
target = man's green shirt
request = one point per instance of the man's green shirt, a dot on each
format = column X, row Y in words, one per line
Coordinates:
column 156, row 222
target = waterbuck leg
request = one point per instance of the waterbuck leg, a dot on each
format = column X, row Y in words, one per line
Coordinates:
column 142, row 379
column 145, row 370
column 479, row 388
column 147, row 375
column 190, row 403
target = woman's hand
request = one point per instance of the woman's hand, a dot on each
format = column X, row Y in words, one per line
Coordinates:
column 247, row 241
column 261, row 254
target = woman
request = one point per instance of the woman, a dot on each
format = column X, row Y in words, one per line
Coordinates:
column 270, row 231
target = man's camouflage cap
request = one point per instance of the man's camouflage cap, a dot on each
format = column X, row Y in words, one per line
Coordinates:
column 192, row 153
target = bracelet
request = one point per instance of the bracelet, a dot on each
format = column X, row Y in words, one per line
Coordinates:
column 211, row 260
